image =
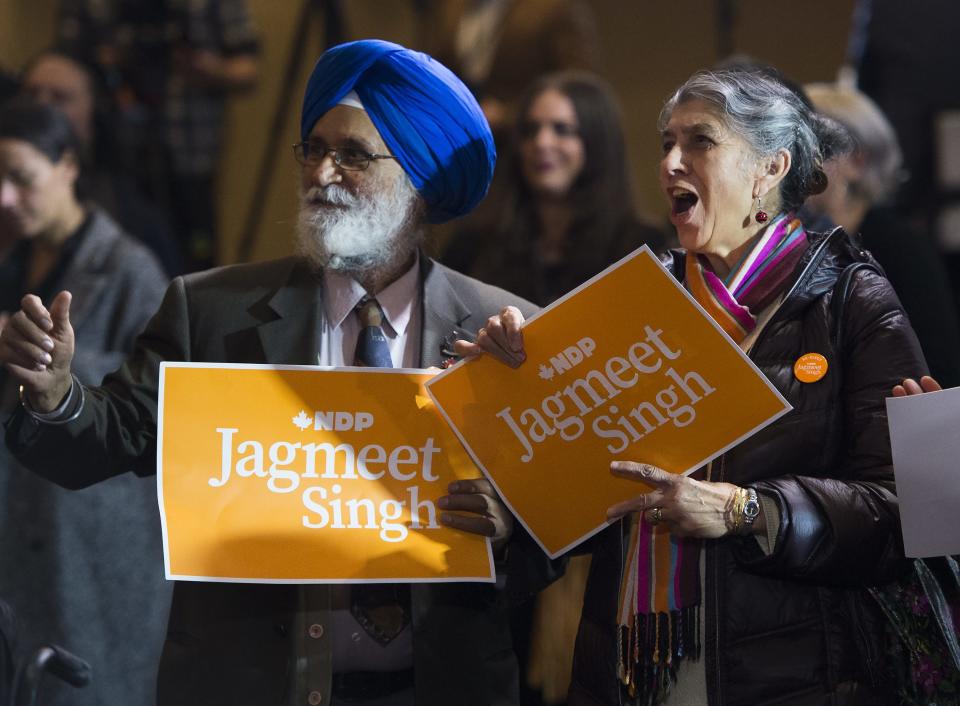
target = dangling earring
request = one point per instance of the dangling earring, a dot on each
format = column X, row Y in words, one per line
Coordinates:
column 761, row 215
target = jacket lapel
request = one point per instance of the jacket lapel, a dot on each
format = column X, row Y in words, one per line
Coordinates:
column 85, row 273
column 444, row 314
column 288, row 329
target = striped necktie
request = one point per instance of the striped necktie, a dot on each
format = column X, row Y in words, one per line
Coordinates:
column 380, row 608
column 373, row 351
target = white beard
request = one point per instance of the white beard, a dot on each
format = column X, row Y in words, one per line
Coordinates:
column 357, row 234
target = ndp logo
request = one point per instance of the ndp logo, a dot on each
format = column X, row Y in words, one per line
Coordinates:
column 334, row 421
column 568, row 358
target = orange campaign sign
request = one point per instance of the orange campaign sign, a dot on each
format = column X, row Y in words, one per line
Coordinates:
column 297, row 474
column 625, row 367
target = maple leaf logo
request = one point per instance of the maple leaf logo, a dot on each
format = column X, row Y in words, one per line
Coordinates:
column 546, row 372
column 302, row 421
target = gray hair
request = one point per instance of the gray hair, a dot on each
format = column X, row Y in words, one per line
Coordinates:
column 769, row 117
column 872, row 134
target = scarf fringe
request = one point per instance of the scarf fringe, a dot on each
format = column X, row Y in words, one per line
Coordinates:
column 650, row 651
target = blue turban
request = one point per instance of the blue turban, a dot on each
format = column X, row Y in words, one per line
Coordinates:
column 426, row 116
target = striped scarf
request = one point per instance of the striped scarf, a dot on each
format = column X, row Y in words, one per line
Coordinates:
column 753, row 284
column 658, row 619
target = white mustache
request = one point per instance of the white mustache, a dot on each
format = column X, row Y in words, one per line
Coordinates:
column 355, row 232
column 331, row 195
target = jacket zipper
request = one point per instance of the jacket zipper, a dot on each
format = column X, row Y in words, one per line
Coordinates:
column 712, row 623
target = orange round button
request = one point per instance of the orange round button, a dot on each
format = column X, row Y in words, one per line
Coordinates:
column 810, row 367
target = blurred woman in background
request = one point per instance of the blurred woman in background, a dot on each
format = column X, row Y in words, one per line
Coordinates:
column 83, row 569
column 862, row 182
column 562, row 207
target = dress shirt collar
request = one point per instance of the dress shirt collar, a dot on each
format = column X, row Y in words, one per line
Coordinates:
column 342, row 294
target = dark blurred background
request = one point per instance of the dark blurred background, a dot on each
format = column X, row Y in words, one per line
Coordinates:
column 645, row 50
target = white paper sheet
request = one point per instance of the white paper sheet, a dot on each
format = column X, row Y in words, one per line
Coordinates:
column 925, row 437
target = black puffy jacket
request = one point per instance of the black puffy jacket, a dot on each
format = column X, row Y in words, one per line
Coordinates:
column 794, row 627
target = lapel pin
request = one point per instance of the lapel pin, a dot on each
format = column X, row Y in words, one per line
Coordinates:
column 810, row 367
column 446, row 345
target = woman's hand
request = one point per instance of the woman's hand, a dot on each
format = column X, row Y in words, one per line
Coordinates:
column 687, row 507
column 502, row 337
column 910, row 387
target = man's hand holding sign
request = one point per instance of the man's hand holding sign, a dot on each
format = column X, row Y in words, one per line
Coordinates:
column 486, row 514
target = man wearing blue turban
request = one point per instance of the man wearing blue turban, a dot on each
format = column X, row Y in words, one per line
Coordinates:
column 389, row 139
column 427, row 118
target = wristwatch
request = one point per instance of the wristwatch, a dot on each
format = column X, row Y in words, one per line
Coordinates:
column 751, row 509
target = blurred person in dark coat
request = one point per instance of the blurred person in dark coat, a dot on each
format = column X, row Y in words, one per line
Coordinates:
column 172, row 65
column 861, row 186
column 77, row 88
column 83, row 570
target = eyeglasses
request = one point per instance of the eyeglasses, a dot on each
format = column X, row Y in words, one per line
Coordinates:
column 310, row 155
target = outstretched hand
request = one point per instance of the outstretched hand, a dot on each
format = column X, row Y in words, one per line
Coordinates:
column 483, row 511
column 37, row 346
column 688, row 507
column 910, row 387
column 502, row 337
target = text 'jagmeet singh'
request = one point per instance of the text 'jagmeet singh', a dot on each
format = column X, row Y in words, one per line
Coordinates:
column 564, row 411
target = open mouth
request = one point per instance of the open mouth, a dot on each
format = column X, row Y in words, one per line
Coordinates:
column 682, row 201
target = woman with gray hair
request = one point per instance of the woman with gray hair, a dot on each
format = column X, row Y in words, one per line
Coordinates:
column 759, row 556
column 862, row 181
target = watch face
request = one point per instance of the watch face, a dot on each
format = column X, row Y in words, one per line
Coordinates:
column 751, row 509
